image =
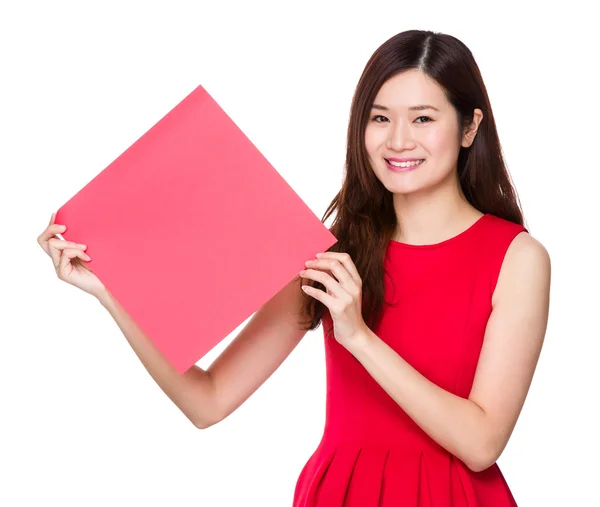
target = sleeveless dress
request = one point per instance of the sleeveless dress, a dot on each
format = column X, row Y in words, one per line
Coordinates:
column 372, row 454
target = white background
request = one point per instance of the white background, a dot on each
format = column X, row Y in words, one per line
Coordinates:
column 83, row 423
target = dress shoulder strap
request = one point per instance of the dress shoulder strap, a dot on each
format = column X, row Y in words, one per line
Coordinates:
column 496, row 238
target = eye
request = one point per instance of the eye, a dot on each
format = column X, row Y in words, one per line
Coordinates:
column 428, row 118
column 377, row 116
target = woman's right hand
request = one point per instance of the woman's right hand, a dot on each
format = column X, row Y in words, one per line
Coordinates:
column 68, row 259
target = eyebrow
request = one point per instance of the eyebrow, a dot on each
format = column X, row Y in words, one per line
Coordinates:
column 419, row 107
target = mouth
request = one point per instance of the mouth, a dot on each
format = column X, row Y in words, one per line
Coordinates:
column 403, row 166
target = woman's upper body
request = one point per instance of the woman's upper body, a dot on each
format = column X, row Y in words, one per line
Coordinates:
column 421, row 97
column 413, row 439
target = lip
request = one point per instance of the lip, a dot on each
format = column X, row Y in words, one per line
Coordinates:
column 403, row 159
column 403, row 169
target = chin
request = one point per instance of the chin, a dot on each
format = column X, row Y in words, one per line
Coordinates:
column 404, row 190
column 404, row 187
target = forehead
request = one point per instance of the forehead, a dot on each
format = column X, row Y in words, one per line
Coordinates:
column 410, row 88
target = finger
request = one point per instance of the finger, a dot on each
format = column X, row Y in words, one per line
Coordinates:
column 346, row 261
column 54, row 250
column 52, row 218
column 61, row 244
column 318, row 294
column 340, row 271
column 333, row 287
column 49, row 232
column 57, row 245
column 67, row 255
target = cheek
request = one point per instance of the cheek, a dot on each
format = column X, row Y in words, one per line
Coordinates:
column 439, row 141
column 373, row 140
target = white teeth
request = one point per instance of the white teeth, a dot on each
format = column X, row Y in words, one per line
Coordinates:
column 406, row 164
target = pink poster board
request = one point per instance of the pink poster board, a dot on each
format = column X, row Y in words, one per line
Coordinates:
column 192, row 230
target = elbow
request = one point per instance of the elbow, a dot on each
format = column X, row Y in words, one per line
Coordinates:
column 483, row 457
column 203, row 424
column 479, row 465
column 213, row 411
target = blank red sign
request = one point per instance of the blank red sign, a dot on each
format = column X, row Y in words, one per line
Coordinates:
column 192, row 230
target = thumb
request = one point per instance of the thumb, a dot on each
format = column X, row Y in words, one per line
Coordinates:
column 67, row 255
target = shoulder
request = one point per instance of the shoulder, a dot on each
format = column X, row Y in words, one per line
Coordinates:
column 516, row 241
column 526, row 262
column 526, row 250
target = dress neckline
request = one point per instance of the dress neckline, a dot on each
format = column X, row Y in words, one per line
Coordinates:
column 448, row 241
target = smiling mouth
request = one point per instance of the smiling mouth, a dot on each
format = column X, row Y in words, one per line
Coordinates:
column 404, row 165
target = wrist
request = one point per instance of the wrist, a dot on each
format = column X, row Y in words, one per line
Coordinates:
column 361, row 342
column 104, row 296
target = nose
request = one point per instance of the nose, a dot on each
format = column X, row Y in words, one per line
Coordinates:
column 400, row 137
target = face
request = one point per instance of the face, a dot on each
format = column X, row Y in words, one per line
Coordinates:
column 395, row 130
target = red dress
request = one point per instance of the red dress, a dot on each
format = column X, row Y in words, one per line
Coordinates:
column 372, row 454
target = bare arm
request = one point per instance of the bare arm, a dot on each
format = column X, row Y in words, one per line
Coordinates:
column 477, row 429
column 253, row 356
column 208, row 396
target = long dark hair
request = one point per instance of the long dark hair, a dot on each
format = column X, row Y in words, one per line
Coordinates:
column 366, row 219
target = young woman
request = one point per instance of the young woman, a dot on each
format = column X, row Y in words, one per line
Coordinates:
column 434, row 300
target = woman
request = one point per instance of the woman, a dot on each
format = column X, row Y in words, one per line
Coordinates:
column 434, row 300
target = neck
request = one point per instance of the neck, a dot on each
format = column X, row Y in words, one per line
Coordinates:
column 433, row 217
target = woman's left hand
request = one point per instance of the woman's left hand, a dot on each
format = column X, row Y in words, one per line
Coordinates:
column 343, row 296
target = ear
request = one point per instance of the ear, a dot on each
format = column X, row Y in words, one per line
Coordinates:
column 469, row 135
